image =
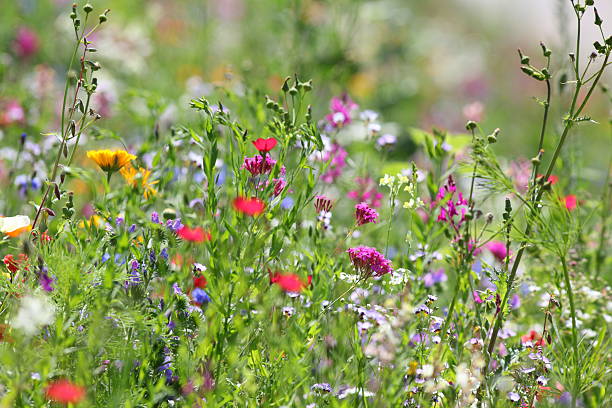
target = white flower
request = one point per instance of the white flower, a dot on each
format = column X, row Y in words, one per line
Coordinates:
column 34, row 312
column 10, row 224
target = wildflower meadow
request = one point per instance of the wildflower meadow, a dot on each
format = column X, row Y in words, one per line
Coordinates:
column 310, row 203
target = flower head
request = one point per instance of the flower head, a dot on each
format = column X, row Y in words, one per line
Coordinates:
column 340, row 108
column 364, row 214
column 260, row 165
column 65, row 392
column 26, row 42
column 139, row 177
column 265, row 145
column 570, row 202
column 110, row 161
column 369, row 262
column 13, row 226
column 290, row 282
column 498, row 249
column 197, row 234
column 322, row 203
column 200, row 297
column 251, row 206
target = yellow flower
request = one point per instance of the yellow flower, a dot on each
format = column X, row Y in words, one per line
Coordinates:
column 110, row 161
column 131, row 176
column 95, row 220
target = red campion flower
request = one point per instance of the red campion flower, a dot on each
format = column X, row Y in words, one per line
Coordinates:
column 199, row 282
column 289, row 282
column 570, row 202
column 265, row 145
column 197, row 234
column 250, row 206
column 65, row 392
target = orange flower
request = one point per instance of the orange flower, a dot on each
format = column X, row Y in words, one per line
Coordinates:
column 141, row 176
column 110, row 161
column 14, row 226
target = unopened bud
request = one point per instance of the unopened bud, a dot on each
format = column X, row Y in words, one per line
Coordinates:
column 524, row 58
column 102, row 18
column 545, row 50
column 589, row 2
column 598, row 19
column 88, row 8
column 285, row 86
column 470, row 125
column 489, row 218
column 293, row 91
column 535, row 160
column 307, row 85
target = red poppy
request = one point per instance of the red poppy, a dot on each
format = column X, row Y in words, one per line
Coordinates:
column 251, row 206
column 533, row 337
column 552, row 178
column 570, row 202
column 265, row 145
column 65, row 392
column 289, row 282
column 199, row 282
column 197, row 234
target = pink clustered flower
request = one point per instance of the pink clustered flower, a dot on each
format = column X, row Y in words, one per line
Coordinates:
column 452, row 209
column 364, row 214
column 366, row 192
column 337, row 155
column 259, row 165
column 369, row 262
column 340, row 108
column 322, row 203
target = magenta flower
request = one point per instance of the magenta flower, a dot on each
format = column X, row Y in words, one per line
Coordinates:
column 340, row 111
column 498, row 249
column 259, row 165
column 364, row 214
column 452, row 208
column 337, row 155
column 26, row 42
column 366, row 192
column 369, row 262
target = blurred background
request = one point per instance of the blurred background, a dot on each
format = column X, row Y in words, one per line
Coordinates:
column 420, row 64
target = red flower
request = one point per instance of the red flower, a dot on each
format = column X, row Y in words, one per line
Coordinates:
column 265, row 145
column 570, row 202
column 552, row 178
column 251, row 206
column 533, row 337
column 199, row 282
column 197, row 234
column 289, row 282
column 13, row 264
column 65, row 392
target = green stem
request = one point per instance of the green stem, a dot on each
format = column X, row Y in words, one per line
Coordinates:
column 570, row 295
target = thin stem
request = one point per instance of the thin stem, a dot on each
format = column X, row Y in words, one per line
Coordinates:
column 570, row 295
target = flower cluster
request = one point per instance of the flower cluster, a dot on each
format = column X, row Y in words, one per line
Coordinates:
column 369, row 262
column 364, row 214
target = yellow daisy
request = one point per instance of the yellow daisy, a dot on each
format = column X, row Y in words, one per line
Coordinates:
column 133, row 176
column 110, row 161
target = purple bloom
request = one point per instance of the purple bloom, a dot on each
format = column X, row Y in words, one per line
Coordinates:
column 45, row 280
column 340, row 108
column 321, row 387
column 433, row 277
column 105, row 257
column 155, row 217
column 132, row 228
column 164, row 254
column 515, row 302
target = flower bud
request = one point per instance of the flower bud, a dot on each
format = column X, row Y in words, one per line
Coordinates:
column 598, row 19
column 524, row 58
column 589, row 2
column 535, row 160
column 307, row 85
column 545, row 50
column 293, row 91
column 88, row 8
column 470, row 125
column 102, row 18
column 169, row 214
column 285, row 86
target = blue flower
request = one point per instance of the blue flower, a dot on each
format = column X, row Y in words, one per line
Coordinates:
column 200, row 296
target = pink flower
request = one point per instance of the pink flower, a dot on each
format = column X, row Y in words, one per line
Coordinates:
column 520, row 173
column 369, row 262
column 322, row 203
column 289, row 282
column 498, row 249
column 366, row 192
column 12, row 112
column 259, row 165
column 364, row 214
column 570, row 202
column 337, row 155
column 340, row 111
column 452, row 209
column 26, row 42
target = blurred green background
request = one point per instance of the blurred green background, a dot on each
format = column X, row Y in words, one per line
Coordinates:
column 420, row 64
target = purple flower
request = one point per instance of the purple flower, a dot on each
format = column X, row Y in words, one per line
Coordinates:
column 515, row 302
column 164, row 254
column 340, row 108
column 155, row 217
column 433, row 277
column 132, row 228
column 321, row 387
column 105, row 257
column 45, row 280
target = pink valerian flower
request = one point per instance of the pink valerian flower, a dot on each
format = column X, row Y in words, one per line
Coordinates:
column 26, row 42
column 364, row 214
column 366, row 192
column 337, row 155
column 452, row 209
column 369, row 262
column 322, row 203
column 340, row 108
column 498, row 249
column 570, row 202
column 259, row 165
